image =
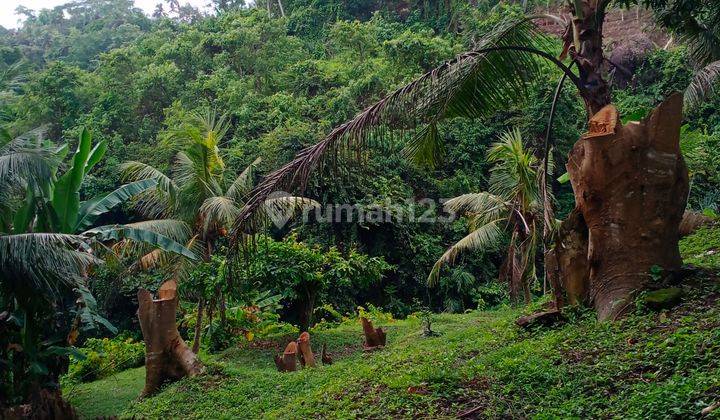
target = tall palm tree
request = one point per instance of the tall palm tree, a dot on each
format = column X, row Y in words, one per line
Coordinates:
column 200, row 191
column 511, row 207
column 495, row 74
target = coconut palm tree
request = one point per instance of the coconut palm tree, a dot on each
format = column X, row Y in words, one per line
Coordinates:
column 600, row 246
column 200, row 191
column 512, row 207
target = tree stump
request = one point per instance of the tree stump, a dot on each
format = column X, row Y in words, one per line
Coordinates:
column 287, row 362
column 307, row 358
column 630, row 185
column 374, row 337
column 324, row 356
column 167, row 357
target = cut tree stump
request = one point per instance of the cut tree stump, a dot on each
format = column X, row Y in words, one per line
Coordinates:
column 307, row 358
column 631, row 185
column 167, row 357
column 326, row 359
column 288, row 361
column 374, row 337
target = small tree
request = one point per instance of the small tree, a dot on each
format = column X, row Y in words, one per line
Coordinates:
column 302, row 274
column 512, row 206
column 200, row 192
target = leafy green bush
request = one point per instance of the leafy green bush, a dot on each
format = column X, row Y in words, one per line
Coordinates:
column 702, row 156
column 105, row 357
column 306, row 276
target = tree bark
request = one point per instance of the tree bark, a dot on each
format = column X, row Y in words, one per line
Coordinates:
column 288, row 361
column 307, row 358
column 307, row 307
column 571, row 259
column 630, row 184
column 198, row 326
column 584, row 41
column 167, row 357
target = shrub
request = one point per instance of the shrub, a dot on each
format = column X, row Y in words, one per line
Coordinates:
column 105, row 357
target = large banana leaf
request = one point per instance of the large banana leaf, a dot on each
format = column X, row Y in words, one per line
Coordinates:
column 91, row 209
column 119, row 232
column 66, row 196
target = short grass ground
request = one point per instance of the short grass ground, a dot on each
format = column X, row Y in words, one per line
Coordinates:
column 649, row 365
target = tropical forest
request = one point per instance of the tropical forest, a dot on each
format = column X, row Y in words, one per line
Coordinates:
column 371, row 209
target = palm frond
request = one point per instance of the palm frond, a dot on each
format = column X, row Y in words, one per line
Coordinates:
column 280, row 209
column 26, row 158
column 43, row 262
column 480, row 238
column 218, row 211
column 125, row 232
column 426, row 147
column 474, row 83
column 159, row 201
column 477, row 203
column 177, row 230
column 513, row 174
column 243, row 183
column 137, row 171
column 703, row 85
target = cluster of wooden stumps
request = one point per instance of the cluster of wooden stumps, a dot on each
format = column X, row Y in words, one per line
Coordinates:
column 168, row 358
column 300, row 349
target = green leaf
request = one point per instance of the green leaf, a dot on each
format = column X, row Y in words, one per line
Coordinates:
column 96, row 155
column 564, row 178
column 21, row 221
column 118, row 232
column 66, row 197
column 65, row 351
column 90, row 210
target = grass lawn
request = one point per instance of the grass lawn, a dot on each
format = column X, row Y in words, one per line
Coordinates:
column 107, row 396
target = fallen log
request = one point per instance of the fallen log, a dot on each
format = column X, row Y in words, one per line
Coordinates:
column 374, row 337
column 540, row 318
column 167, row 357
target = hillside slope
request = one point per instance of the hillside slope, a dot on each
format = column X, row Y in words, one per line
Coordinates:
column 657, row 365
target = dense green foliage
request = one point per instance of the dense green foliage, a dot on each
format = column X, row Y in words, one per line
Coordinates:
column 306, row 277
column 105, row 357
column 188, row 111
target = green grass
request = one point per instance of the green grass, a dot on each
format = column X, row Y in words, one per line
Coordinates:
column 107, row 396
column 648, row 365
column 702, row 248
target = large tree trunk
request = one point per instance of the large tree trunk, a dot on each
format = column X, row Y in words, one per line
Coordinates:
column 167, row 358
column 307, row 307
column 630, row 184
column 585, row 38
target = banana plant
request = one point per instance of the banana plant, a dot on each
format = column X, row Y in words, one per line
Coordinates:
column 52, row 203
